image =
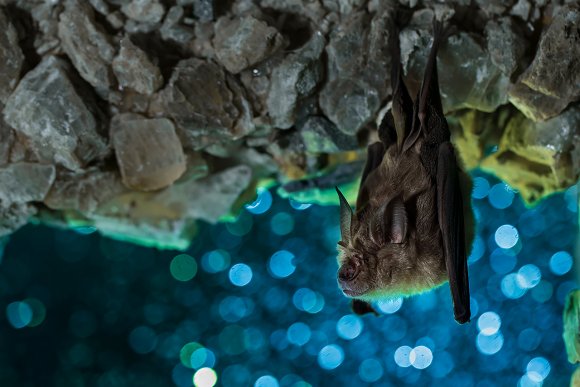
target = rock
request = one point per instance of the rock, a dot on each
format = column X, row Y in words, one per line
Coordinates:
column 207, row 104
column 12, row 58
column 45, row 15
column 295, row 77
column 521, row 9
column 322, row 136
column 172, row 30
column 313, row 10
column 86, row 45
column 83, row 191
column 494, row 7
column 25, row 182
column 572, row 326
column 349, row 104
column 149, row 153
column 343, row 6
column 6, row 141
column 203, row 10
column 144, row 11
column 467, row 76
column 134, row 70
column 60, row 130
column 534, row 157
column 241, row 43
column 505, row 46
column 555, row 70
column 116, row 20
column 166, row 218
column 14, row 216
column 535, row 105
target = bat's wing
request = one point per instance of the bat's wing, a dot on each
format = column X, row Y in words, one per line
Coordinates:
column 450, row 211
column 375, row 154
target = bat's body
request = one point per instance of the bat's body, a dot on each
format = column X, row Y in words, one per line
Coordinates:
column 407, row 234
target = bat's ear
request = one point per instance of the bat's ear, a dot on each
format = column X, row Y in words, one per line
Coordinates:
column 393, row 218
column 345, row 217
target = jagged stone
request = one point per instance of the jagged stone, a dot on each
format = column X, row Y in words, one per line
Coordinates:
column 204, row 10
column 166, row 218
column 11, row 58
column 86, row 45
column 243, row 42
column 343, row 6
column 14, row 216
column 45, row 15
column 295, row 77
column 60, row 128
column 149, row 153
column 535, row 105
column 534, row 157
column 172, row 30
column 521, row 9
column 555, row 70
column 144, row 11
column 505, row 46
column 83, row 191
column 322, row 136
column 134, row 70
column 208, row 105
column 349, row 104
column 6, row 141
column 25, row 182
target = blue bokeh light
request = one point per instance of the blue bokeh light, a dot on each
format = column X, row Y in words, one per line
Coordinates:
column 489, row 323
column 420, row 357
column 402, row 356
column 561, row 263
column 501, row 196
column 282, row 264
column 506, row 236
column 529, row 276
column 19, row 314
column 262, row 203
column 370, row 370
column 240, row 274
column 349, row 327
column 143, row 340
column 330, row 357
column 266, row 381
column 489, row 344
column 390, row 306
column 299, row 333
column 480, row 188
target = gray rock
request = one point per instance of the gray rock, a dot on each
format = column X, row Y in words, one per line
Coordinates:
column 47, row 110
column 100, row 6
column 45, row 15
column 116, row 20
column 25, row 182
column 208, row 105
column 149, row 153
column 12, row 58
column 203, row 10
column 295, row 77
column 313, row 10
column 521, row 9
column 83, row 191
column 144, row 11
column 14, row 216
column 505, row 46
column 343, row 6
column 535, row 105
column 322, row 136
column 555, row 70
column 6, row 141
column 241, row 43
column 350, row 104
column 166, row 219
column 86, row 45
column 172, row 30
column 494, row 7
column 134, row 70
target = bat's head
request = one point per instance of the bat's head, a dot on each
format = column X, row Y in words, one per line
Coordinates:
column 378, row 259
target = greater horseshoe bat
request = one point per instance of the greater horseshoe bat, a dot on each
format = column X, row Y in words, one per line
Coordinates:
column 407, row 235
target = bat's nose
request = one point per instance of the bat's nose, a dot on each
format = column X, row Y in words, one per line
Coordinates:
column 348, row 272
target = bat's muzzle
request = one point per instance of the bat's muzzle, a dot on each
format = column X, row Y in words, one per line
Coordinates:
column 348, row 272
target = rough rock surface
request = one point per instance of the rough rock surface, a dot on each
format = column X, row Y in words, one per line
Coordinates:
column 242, row 43
column 203, row 101
column 59, row 127
column 149, row 153
column 12, row 57
column 555, row 70
column 207, row 104
column 86, row 45
column 134, row 70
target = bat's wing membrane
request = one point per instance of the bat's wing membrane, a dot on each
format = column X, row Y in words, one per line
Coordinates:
column 450, row 211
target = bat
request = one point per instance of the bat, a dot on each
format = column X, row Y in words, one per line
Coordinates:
column 407, row 235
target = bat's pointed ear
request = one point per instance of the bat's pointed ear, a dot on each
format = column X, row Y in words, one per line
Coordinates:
column 345, row 217
column 393, row 218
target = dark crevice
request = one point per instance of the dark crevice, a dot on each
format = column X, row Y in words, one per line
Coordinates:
column 27, row 33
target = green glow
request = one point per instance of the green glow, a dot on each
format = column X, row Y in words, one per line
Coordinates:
column 324, row 197
column 186, row 351
column 183, row 267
